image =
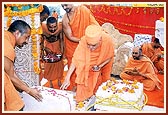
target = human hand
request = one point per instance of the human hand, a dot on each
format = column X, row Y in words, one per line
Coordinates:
column 96, row 68
column 135, row 73
column 35, row 93
column 65, row 85
column 128, row 72
column 135, row 70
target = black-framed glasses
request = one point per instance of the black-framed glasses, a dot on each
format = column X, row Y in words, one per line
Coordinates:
column 134, row 52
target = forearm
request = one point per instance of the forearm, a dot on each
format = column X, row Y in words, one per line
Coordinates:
column 70, row 71
column 104, row 63
column 8, row 68
column 68, row 33
column 19, row 84
column 98, row 67
column 72, row 38
column 143, row 75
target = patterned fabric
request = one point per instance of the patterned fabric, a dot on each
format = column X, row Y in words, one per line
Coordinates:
column 139, row 39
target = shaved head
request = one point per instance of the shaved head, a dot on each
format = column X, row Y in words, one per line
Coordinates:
column 136, row 48
column 136, row 52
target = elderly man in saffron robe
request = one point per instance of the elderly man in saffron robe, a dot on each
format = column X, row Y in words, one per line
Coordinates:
column 139, row 67
column 93, row 60
column 75, row 21
column 153, row 51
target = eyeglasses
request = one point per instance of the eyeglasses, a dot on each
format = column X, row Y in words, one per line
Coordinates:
column 91, row 45
column 134, row 52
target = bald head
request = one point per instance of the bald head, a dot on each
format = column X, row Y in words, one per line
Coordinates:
column 67, row 7
column 136, row 53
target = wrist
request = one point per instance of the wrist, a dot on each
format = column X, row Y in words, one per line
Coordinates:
column 142, row 75
column 28, row 90
column 100, row 66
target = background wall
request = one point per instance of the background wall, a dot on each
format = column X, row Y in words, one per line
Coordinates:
column 128, row 19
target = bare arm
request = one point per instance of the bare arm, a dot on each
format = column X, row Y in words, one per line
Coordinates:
column 67, row 78
column 68, row 32
column 8, row 68
column 104, row 63
column 98, row 67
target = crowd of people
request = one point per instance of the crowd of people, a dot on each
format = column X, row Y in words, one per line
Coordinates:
column 89, row 52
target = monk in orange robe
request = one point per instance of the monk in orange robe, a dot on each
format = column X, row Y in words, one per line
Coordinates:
column 139, row 67
column 93, row 60
column 75, row 21
column 153, row 51
column 55, row 14
column 52, row 44
column 17, row 34
column 44, row 14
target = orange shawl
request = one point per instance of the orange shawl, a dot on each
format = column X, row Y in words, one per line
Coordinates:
column 149, row 51
column 81, row 19
column 13, row 102
column 9, row 44
column 144, row 66
column 81, row 59
column 152, row 53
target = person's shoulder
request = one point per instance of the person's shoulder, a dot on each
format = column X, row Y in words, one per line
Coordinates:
column 84, row 8
column 63, row 17
column 65, row 20
column 145, row 58
column 7, row 34
column 145, row 44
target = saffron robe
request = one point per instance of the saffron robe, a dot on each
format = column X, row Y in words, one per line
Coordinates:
column 152, row 53
column 12, row 99
column 146, row 67
column 81, row 19
column 53, row 71
column 84, row 59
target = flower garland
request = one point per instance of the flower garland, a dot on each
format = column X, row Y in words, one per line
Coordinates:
column 22, row 10
column 35, row 53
